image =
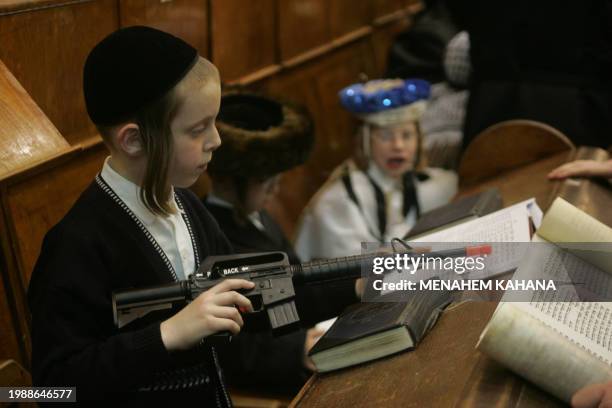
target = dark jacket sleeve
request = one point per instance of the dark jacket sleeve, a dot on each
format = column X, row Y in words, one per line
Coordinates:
column 258, row 359
column 74, row 339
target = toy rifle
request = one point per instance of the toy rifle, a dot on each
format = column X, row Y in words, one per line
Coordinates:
column 274, row 279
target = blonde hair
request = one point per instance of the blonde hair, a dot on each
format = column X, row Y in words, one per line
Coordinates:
column 154, row 121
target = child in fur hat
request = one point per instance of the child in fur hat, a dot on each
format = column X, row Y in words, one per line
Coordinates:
column 379, row 193
column 262, row 138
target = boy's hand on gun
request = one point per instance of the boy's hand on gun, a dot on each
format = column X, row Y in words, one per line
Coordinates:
column 211, row 312
column 582, row 168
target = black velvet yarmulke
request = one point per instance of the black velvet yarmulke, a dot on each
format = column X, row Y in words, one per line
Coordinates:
column 132, row 68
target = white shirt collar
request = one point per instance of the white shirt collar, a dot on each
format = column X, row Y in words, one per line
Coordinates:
column 216, row 200
column 385, row 182
column 130, row 194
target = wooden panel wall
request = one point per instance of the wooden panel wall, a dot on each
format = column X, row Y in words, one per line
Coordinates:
column 45, row 42
column 46, row 48
column 27, row 138
column 302, row 26
column 32, row 203
column 384, row 8
column 243, row 36
column 187, row 19
column 346, row 16
column 28, row 201
column 14, row 341
column 305, row 50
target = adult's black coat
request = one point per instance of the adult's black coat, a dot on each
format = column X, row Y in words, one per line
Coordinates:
column 545, row 60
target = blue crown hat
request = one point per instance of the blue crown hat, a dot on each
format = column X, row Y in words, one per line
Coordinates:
column 386, row 102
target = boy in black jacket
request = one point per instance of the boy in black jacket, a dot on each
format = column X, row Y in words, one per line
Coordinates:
column 154, row 101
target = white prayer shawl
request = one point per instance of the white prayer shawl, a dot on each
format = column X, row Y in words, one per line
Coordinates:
column 332, row 225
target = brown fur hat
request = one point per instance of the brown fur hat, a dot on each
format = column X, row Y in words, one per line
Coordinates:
column 260, row 136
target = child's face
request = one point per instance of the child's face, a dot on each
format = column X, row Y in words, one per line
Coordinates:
column 394, row 148
column 259, row 192
column 194, row 133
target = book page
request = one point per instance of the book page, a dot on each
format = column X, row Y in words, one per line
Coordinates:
column 326, row 324
column 587, row 324
column 551, row 331
column 509, row 225
column 578, row 232
column 540, row 353
column 575, row 278
column 565, row 223
column 324, row 327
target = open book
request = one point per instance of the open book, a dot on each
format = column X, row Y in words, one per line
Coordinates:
column 510, row 224
column 553, row 339
column 504, row 230
column 458, row 212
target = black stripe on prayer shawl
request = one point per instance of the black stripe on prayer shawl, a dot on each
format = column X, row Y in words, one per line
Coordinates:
column 409, row 199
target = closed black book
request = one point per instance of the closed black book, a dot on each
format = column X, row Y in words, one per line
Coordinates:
column 367, row 331
column 466, row 209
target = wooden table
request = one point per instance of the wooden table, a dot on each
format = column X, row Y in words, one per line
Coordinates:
column 445, row 370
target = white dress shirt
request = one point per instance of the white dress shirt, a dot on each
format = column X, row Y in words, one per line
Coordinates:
column 169, row 231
